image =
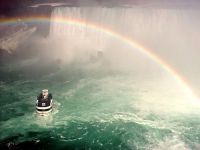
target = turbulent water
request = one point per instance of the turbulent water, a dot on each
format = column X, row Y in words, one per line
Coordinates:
column 103, row 98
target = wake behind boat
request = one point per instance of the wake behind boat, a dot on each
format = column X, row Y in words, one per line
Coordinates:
column 44, row 102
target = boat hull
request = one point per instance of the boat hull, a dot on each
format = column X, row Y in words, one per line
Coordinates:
column 43, row 110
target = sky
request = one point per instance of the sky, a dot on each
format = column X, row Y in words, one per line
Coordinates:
column 11, row 7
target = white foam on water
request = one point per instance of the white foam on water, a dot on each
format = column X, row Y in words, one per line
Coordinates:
column 171, row 143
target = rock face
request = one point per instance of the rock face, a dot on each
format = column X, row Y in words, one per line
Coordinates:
column 12, row 40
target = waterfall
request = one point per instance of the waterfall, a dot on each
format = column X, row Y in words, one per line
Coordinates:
column 138, row 23
column 161, row 30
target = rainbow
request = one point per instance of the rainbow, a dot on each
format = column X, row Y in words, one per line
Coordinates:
column 123, row 38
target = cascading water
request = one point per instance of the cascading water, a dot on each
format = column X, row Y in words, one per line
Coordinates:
column 163, row 31
column 107, row 94
column 148, row 25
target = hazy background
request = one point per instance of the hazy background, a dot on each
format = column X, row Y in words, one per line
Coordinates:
column 168, row 28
